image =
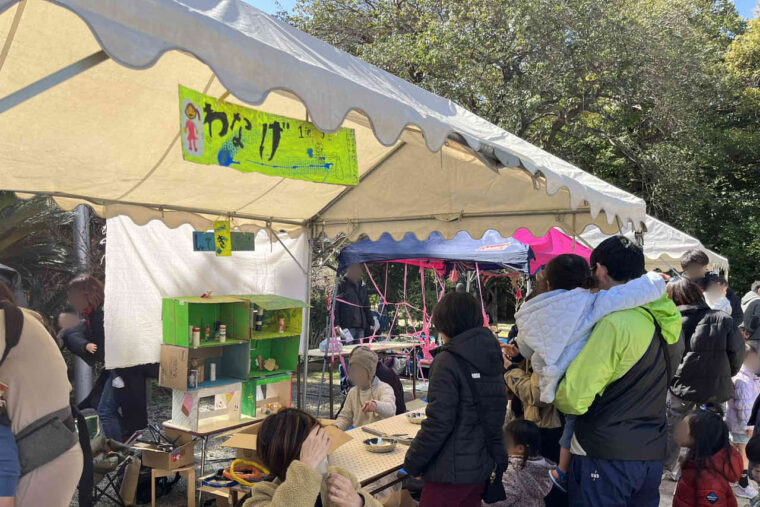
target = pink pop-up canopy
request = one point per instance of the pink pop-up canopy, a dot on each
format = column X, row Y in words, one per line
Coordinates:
column 547, row 247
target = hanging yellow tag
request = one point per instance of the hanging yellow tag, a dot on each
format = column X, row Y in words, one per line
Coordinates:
column 222, row 238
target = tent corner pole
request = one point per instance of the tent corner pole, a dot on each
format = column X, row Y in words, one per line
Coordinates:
column 309, row 274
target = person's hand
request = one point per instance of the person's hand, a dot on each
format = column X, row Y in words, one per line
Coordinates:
column 511, row 350
column 370, row 406
column 750, row 432
column 665, row 277
column 91, row 348
column 506, row 359
column 342, row 493
column 314, row 449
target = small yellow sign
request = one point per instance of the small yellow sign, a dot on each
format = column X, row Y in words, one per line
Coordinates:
column 222, row 238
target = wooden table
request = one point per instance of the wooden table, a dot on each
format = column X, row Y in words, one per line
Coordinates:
column 367, row 466
column 209, row 430
column 328, row 357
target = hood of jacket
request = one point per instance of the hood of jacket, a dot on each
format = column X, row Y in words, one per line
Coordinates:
column 668, row 316
column 731, row 469
column 480, row 348
column 749, row 297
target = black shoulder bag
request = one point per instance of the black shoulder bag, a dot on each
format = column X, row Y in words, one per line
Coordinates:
column 494, row 488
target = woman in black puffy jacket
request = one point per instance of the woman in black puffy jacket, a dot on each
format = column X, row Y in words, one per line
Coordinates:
column 458, row 447
column 714, row 351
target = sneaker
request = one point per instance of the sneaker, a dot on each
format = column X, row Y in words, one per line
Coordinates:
column 560, row 481
column 748, row 492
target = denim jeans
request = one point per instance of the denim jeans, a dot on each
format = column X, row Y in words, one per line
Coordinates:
column 108, row 410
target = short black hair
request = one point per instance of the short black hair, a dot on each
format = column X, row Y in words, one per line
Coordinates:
column 568, row 272
column 527, row 434
column 623, row 258
column 756, row 286
column 697, row 257
column 753, row 449
column 456, row 313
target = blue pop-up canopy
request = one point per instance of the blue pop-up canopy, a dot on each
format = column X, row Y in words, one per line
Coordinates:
column 491, row 252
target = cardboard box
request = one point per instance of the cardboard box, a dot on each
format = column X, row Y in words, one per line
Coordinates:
column 233, row 364
column 182, row 456
column 225, row 407
column 245, row 439
column 178, row 314
column 258, row 392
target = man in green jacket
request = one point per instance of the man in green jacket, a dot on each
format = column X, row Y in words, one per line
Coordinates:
column 617, row 386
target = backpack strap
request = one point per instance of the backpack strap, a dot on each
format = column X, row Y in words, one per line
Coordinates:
column 14, row 323
column 663, row 343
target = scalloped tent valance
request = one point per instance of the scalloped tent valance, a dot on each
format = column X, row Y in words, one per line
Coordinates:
column 663, row 245
column 89, row 115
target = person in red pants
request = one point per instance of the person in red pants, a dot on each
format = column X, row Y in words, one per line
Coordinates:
column 459, row 446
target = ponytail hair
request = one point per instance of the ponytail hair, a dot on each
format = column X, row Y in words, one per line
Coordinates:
column 568, row 272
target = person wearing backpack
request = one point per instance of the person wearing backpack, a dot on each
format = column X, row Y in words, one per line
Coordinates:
column 617, row 387
column 459, row 450
column 36, row 394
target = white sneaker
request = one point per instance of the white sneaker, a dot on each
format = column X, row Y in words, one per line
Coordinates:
column 748, row 492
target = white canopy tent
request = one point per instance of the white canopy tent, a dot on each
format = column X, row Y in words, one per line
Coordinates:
column 79, row 123
column 89, row 109
column 663, row 245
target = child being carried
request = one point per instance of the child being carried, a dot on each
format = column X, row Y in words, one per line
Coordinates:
column 555, row 325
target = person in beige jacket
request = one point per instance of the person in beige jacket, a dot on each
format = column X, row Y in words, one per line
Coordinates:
column 370, row 400
column 294, row 446
column 35, row 384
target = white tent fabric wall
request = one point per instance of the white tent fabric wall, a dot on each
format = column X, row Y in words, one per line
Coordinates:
column 663, row 245
column 108, row 136
column 147, row 263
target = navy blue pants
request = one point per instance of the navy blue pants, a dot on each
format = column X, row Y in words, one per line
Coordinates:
column 594, row 482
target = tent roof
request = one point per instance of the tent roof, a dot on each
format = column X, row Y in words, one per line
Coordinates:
column 553, row 243
column 663, row 245
column 490, row 252
column 102, row 133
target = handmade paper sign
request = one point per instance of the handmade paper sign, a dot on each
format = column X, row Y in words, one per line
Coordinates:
column 241, row 241
column 219, row 133
column 222, row 238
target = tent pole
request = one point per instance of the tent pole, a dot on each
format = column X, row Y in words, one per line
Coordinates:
column 308, row 324
column 303, row 270
column 52, row 80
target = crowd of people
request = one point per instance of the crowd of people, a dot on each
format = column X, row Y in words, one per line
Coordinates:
column 42, row 433
column 612, row 380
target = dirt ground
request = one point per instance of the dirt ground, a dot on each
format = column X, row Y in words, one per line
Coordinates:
column 218, row 456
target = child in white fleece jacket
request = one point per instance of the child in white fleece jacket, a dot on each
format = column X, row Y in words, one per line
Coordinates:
column 555, row 325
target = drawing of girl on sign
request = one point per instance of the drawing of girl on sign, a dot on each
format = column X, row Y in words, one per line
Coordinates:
column 192, row 128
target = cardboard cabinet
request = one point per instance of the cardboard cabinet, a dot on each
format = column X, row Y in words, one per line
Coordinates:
column 232, row 363
column 179, row 314
column 259, row 392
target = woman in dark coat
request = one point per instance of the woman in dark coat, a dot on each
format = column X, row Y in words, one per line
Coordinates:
column 454, row 448
column 714, row 352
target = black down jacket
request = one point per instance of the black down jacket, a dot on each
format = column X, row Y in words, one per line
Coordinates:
column 450, row 447
column 713, row 354
column 356, row 312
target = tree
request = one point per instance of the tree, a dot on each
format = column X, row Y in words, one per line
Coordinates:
column 36, row 239
column 643, row 93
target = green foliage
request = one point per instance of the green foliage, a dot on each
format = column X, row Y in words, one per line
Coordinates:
column 659, row 97
column 36, row 239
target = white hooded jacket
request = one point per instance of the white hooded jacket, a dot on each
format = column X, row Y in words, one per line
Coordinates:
column 554, row 326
